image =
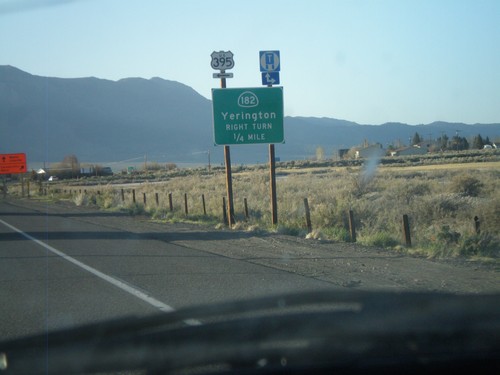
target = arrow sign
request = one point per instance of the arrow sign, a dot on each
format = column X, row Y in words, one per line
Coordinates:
column 223, row 75
column 270, row 78
column 12, row 163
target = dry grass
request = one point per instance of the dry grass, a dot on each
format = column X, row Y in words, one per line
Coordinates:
column 441, row 202
column 448, row 167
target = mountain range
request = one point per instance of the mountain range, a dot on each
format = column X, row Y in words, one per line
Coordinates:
column 166, row 121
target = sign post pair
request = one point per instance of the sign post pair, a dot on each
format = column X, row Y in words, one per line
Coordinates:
column 248, row 116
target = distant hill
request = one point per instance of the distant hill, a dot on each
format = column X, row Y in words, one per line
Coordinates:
column 100, row 120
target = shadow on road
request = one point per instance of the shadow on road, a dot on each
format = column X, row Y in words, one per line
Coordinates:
column 65, row 215
column 124, row 235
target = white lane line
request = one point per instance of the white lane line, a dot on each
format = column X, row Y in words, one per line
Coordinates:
column 125, row 287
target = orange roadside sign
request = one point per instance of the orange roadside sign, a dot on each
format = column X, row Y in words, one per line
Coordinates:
column 13, row 163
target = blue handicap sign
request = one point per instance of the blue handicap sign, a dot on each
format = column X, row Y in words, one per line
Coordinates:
column 270, row 78
column 269, row 61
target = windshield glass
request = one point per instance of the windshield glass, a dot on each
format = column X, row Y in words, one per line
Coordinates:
column 157, row 157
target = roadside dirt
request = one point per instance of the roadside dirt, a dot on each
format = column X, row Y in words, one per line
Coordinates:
column 344, row 265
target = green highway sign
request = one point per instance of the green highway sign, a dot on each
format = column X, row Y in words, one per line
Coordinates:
column 248, row 115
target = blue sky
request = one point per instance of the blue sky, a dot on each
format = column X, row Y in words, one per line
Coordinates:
column 365, row 61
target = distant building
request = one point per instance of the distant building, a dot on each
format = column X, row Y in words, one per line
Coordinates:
column 95, row 171
column 106, row 171
column 87, row 171
column 414, row 150
column 342, row 153
column 372, row 151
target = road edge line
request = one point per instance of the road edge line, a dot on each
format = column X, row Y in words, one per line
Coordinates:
column 123, row 286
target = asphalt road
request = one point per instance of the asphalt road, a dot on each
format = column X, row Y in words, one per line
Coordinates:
column 62, row 266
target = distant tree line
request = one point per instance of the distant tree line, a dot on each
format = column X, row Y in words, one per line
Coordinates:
column 457, row 143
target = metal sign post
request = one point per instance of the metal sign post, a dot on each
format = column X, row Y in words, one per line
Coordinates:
column 272, row 180
column 270, row 66
column 223, row 60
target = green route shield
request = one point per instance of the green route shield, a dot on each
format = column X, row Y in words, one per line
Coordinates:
column 248, row 115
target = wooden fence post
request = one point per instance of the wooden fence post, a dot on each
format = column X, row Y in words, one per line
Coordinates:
column 246, row 208
column 186, row 203
column 406, row 230
column 308, row 216
column 477, row 225
column 144, row 198
column 203, row 203
column 157, row 199
column 123, row 195
column 170, row 203
column 352, row 226
column 133, row 195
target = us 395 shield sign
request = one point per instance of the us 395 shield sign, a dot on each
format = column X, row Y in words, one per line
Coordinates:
column 222, row 60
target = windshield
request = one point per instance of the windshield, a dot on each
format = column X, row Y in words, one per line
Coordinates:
column 178, row 164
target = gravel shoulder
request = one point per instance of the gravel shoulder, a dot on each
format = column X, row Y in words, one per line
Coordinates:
column 345, row 265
